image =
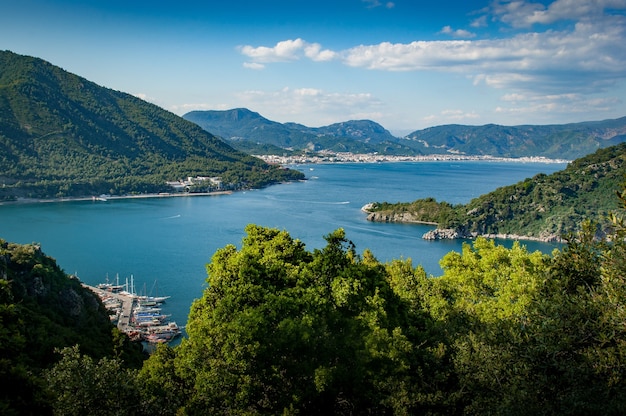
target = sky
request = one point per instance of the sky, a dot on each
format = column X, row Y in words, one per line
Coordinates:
column 406, row 64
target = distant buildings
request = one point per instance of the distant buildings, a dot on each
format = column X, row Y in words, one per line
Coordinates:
column 199, row 183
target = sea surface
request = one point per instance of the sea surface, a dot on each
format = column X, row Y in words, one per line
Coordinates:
column 165, row 243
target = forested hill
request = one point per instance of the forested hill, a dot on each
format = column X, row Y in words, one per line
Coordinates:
column 561, row 141
column 62, row 135
column 544, row 207
column 249, row 130
column 246, row 129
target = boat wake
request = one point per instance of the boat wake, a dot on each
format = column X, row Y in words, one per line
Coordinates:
column 172, row 217
column 310, row 202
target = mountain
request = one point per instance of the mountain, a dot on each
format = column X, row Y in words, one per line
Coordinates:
column 62, row 135
column 544, row 207
column 242, row 125
column 567, row 141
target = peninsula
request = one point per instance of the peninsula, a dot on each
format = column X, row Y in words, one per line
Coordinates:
column 545, row 207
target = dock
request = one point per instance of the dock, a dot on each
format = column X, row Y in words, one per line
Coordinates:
column 124, row 307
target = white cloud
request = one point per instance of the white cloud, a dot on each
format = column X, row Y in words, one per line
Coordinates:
column 586, row 52
column 253, row 65
column 555, row 104
column 458, row 33
column 376, row 3
column 311, row 105
column 451, row 116
column 287, row 50
column 479, row 22
column 314, row 52
column 590, row 55
column 559, row 69
column 524, row 14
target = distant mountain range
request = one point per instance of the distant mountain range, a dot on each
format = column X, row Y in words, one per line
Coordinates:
column 242, row 127
column 62, row 135
column 252, row 132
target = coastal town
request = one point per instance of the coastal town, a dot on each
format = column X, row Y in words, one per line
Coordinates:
column 347, row 157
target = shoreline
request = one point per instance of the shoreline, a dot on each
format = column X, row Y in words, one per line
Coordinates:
column 452, row 234
column 449, row 233
column 376, row 158
column 25, row 201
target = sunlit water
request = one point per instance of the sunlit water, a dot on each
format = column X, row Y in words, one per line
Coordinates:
column 170, row 240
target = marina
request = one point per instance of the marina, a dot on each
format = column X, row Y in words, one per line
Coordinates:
column 138, row 316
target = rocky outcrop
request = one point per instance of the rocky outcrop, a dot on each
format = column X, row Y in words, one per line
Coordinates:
column 386, row 216
column 452, row 234
column 446, row 234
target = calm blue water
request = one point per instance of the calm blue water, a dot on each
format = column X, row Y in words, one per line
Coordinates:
column 170, row 240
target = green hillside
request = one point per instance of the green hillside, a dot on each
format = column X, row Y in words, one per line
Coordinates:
column 41, row 309
column 545, row 206
column 62, row 135
column 242, row 127
column 566, row 141
column 249, row 130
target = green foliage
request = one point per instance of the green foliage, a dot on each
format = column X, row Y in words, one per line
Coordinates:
column 280, row 329
column 160, row 385
column 55, row 309
column 41, row 309
column 545, row 206
column 426, row 210
column 82, row 386
column 61, row 135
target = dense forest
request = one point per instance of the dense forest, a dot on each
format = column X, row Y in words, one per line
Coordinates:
column 284, row 330
column 62, row 135
column 545, row 206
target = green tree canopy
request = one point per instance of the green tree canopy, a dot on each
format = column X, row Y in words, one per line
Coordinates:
column 282, row 329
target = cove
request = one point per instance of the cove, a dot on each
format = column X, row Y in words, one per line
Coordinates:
column 170, row 240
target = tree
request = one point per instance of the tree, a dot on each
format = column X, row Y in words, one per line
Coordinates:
column 280, row 329
column 482, row 304
column 161, row 389
column 81, row 386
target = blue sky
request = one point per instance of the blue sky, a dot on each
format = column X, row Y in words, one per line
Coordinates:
column 406, row 64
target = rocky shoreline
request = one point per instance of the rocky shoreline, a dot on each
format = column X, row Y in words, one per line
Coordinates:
column 452, row 234
column 405, row 217
column 448, row 233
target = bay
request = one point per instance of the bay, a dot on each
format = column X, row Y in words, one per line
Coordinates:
column 165, row 243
